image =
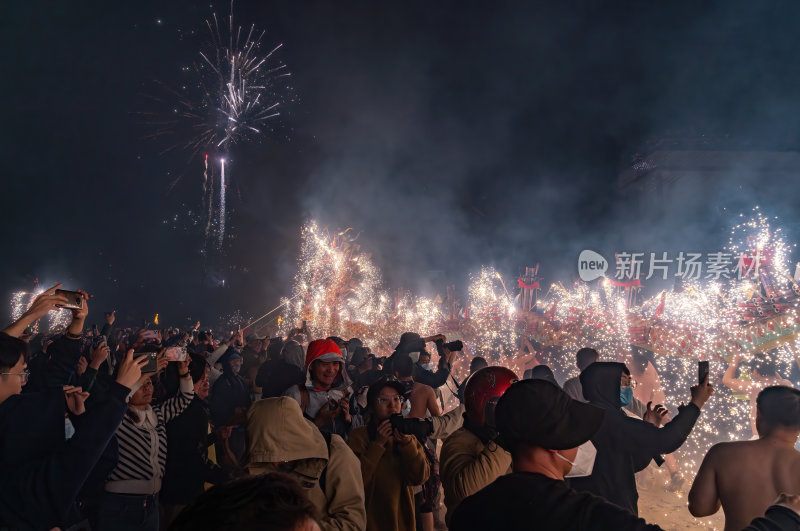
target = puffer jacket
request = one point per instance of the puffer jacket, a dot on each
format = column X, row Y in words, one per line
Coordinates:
column 467, row 465
column 331, row 474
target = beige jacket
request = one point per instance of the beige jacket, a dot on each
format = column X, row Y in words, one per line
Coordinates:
column 467, row 466
column 278, row 432
column 390, row 473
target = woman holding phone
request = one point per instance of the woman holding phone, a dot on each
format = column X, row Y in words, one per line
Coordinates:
column 130, row 501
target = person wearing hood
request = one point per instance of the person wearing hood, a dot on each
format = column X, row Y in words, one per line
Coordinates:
column 281, row 439
column 282, row 371
column 230, row 399
column 625, row 445
column 325, row 396
column 392, row 463
column 549, row 437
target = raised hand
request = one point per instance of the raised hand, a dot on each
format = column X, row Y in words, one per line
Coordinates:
column 76, row 397
column 656, row 415
column 162, row 360
column 702, row 392
column 130, row 370
column 46, row 302
column 99, row 354
column 82, row 365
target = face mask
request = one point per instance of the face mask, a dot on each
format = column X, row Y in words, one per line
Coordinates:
column 414, row 356
column 625, row 396
column 584, row 461
column 406, row 407
column 428, row 367
column 69, row 429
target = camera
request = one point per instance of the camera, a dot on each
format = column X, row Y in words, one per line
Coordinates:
column 453, row 346
column 420, row 428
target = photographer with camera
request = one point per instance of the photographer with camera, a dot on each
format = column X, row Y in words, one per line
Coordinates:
column 392, row 463
column 413, row 344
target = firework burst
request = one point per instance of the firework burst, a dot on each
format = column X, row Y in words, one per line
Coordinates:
column 238, row 88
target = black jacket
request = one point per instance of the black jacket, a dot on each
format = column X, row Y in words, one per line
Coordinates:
column 423, row 376
column 625, row 445
column 188, row 467
column 523, row 501
column 276, row 376
column 40, row 493
column 229, row 392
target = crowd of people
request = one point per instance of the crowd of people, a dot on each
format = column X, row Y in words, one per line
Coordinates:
column 178, row 429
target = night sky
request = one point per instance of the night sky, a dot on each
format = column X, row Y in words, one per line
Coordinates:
column 453, row 134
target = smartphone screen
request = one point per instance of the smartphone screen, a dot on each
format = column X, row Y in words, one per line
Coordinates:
column 702, row 370
column 176, row 354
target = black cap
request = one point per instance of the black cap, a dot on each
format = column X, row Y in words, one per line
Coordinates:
column 410, row 342
column 386, row 381
column 538, row 413
column 360, row 356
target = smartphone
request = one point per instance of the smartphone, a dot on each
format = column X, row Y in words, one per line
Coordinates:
column 97, row 340
column 176, row 354
column 702, row 370
column 152, row 361
column 74, row 299
column 150, row 334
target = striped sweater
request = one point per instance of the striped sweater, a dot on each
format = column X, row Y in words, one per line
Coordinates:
column 143, row 445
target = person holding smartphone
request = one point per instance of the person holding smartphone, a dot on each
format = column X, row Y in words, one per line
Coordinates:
column 130, row 501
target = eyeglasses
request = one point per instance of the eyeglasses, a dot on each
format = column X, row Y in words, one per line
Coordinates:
column 397, row 399
column 24, row 375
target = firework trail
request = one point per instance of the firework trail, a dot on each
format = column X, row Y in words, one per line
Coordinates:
column 222, row 206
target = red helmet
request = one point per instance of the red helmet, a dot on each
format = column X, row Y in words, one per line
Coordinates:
column 482, row 391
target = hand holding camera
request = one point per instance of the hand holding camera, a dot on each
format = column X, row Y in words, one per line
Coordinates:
column 384, row 433
column 420, row 428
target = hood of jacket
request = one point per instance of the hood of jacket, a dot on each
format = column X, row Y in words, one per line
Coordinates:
column 293, row 353
column 600, row 383
column 326, row 350
column 277, row 432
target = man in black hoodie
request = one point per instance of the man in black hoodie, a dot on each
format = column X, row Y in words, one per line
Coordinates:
column 626, row 445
